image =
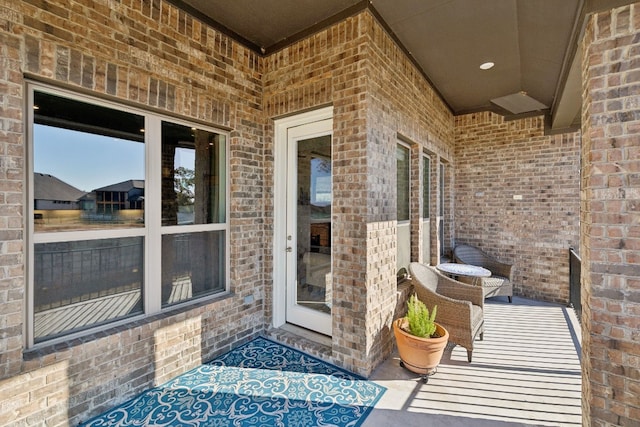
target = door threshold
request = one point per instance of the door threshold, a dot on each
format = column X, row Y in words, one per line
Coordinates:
column 310, row 342
column 308, row 334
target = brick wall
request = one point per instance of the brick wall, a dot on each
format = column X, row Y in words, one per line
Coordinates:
column 324, row 69
column 377, row 94
column 496, row 160
column 152, row 55
column 610, row 243
column 401, row 107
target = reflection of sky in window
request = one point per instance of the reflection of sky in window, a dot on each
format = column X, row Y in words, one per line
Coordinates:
column 321, row 182
column 185, row 157
column 86, row 161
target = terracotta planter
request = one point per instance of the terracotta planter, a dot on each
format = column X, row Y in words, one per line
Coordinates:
column 419, row 355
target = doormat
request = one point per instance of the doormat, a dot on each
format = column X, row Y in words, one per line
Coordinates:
column 261, row 383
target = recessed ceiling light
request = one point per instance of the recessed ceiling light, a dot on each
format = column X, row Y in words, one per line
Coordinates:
column 487, row 66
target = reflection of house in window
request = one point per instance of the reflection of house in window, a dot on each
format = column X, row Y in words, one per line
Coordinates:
column 123, row 195
column 50, row 193
column 88, row 202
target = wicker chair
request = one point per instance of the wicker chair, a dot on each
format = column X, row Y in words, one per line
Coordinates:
column 460, row 306
column 500, row 283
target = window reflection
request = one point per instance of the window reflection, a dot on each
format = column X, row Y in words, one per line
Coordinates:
column 402, row 156
column 84, row 283
column 192, row 176
column 88, row 166
column 314, row 280
column 426, row 186
column 320, row 181
column 192, row 265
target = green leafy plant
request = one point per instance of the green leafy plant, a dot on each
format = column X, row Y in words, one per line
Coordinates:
column 421, row 323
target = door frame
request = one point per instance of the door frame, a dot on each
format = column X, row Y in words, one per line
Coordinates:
column 281, row 127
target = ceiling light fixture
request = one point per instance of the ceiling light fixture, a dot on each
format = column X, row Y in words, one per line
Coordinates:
column 487, row 65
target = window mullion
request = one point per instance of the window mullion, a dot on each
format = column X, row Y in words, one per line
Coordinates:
column 153, row 216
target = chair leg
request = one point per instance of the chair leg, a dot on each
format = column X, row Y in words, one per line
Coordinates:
column 481, row 336
column 469, row 355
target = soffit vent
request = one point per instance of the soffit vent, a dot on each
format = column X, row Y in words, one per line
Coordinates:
column 518, row 103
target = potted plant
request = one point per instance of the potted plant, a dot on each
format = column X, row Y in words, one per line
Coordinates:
column 421, row 341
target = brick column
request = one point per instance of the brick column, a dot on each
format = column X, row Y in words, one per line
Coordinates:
column 12, row 284
column 610, row 242
column 416, row 203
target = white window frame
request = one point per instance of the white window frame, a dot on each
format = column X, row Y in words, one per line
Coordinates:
column 152, row 231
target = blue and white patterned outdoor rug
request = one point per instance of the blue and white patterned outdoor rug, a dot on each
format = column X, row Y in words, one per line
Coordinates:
column 261, row 383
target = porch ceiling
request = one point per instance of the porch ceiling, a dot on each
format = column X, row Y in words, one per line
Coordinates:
column 533, row 44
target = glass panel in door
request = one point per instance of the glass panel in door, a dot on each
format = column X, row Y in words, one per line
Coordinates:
column 309, row 279
column 314, row 223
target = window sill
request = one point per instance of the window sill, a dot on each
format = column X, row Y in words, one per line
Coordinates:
column 62, row 344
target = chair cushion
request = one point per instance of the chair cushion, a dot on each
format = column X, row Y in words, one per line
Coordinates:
column 470, row 255
column 494, row 281
column 424, row 275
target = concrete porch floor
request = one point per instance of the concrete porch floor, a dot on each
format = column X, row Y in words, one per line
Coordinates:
column 525, row 372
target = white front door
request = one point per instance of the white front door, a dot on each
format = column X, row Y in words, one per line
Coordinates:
column 305, row 282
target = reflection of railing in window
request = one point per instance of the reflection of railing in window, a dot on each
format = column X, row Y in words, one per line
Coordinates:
column 183, row 255
column 192, row 265
column 181, row 286
column 68, row 276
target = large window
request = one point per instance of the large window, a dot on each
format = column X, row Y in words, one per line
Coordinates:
column 426, row 186
column 426, row 203
column 441, row 184
column 127, row 213
column 402, row 171
column 193, row 194
column 403, row 206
